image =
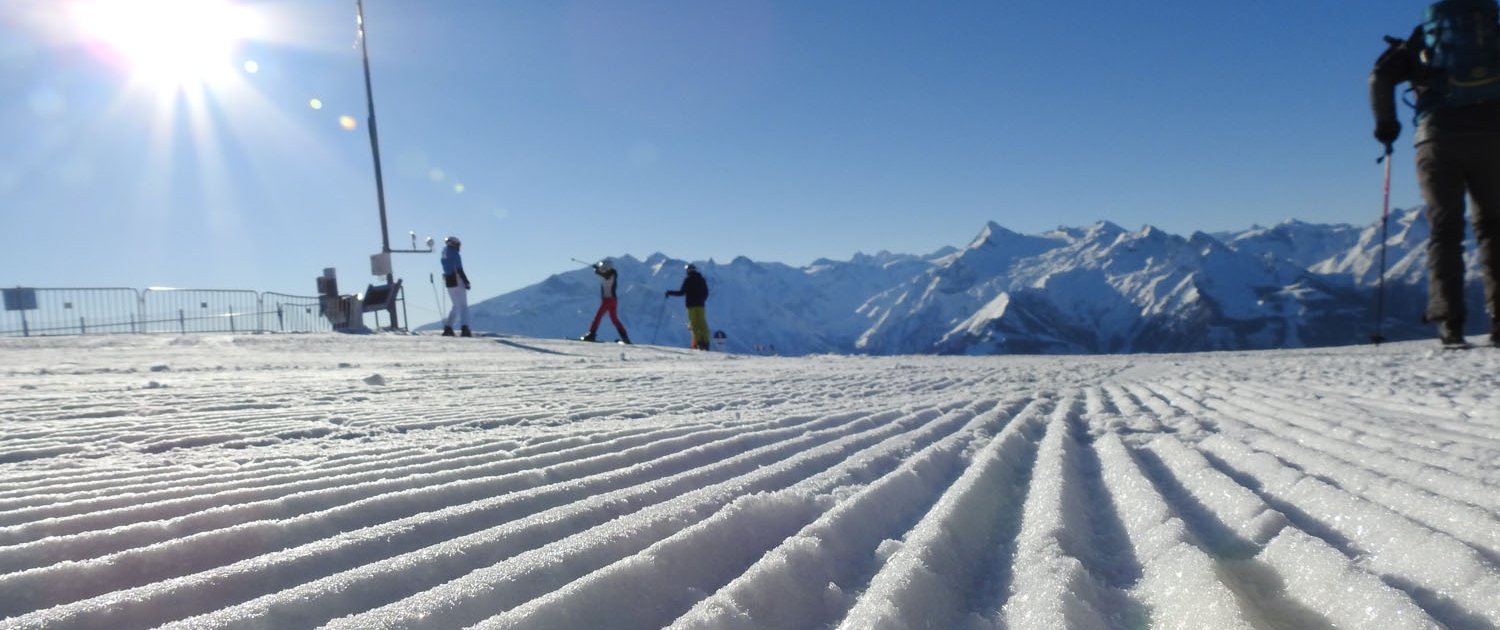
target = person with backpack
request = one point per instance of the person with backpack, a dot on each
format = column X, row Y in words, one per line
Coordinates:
column 1452, row 63
column 458, row 288
column 608, row 301
column 695, row 291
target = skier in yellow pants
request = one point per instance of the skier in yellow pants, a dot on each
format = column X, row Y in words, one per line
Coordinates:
column 695, row 292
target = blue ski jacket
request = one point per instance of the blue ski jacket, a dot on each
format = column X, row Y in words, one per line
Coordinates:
column 453, row 268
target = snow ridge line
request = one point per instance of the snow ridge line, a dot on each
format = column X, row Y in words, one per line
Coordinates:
column 511, row 582
column 1430, row 478
column 303, row 480
column 1237, row 490
column 240, row 504
column 1059, row 581
column 1181, row 585
column 1392, row 429
column 1459, row 591
column 151, row 605
column 424, row 490
column 215, row 548
column 1426, row 408
column 811, row 578
column 1251, row 541
column 609, row 592
column 22, row 492
column 1346, row 465
column 916, row 586
column 1472, row 525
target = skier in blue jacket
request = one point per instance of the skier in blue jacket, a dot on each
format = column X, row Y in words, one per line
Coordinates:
column 458, row 288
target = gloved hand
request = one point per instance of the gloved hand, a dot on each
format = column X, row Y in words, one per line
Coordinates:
column 667, row 294
column 1386, row 131
column 466, row 286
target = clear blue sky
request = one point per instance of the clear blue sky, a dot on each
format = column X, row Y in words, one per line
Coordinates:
column 782, row 130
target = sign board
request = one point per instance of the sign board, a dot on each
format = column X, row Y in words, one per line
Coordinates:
column 380, row 264
column 19, row 299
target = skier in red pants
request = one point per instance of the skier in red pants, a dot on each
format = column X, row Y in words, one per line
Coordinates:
column 607, row 300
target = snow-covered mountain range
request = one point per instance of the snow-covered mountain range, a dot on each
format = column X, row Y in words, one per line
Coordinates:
column 1100, row 288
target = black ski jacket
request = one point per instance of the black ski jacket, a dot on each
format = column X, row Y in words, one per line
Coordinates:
column 694, row 288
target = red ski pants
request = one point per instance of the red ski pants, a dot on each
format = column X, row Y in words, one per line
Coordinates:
column 607, row 305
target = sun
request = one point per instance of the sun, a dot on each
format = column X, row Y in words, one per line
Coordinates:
column 168, row 44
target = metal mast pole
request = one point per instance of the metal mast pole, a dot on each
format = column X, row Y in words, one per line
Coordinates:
column 385, row 235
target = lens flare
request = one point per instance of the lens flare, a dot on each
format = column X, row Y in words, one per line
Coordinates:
column 169, row 44
column 347, row 122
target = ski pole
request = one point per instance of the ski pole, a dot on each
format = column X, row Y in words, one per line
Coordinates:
column 586, row 264
column 1385, row 220
column 661, row 316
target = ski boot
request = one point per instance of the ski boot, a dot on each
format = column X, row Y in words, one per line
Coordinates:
column 1452, row 335
column 624, row 338
column 447, row 331
column 588, row 337
column 464, row 332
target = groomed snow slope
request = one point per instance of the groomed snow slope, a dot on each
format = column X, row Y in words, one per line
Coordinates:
column 422, row 482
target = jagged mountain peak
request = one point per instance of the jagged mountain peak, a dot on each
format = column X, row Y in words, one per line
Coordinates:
column 1207, row 243
column 878, row 259
column 994, row 251
column 941, row 253
column 1287, row 230
column 993, row 235
column 1150, row 232
column 1103, row 229
column 1410, row 218
column 1099, row 230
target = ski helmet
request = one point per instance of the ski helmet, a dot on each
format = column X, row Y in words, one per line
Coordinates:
column 604, row 264
column 690, row 267
column 452, row 240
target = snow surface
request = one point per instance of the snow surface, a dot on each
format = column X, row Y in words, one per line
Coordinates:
column 392, row 481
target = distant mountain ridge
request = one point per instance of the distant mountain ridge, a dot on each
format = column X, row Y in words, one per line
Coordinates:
column 1094, row 289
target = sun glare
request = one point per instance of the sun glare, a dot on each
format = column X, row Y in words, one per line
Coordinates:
column 168, row 44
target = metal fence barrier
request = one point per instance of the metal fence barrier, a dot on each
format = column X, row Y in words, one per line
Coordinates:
column 91, row 311
column 292, row 313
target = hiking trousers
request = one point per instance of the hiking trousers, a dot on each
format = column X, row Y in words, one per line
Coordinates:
column 1447, row 169
column 698, row 323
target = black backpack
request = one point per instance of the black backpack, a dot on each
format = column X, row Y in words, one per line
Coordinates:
column 1461, row 52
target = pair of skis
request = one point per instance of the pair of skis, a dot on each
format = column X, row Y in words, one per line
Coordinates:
column 618, row 341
